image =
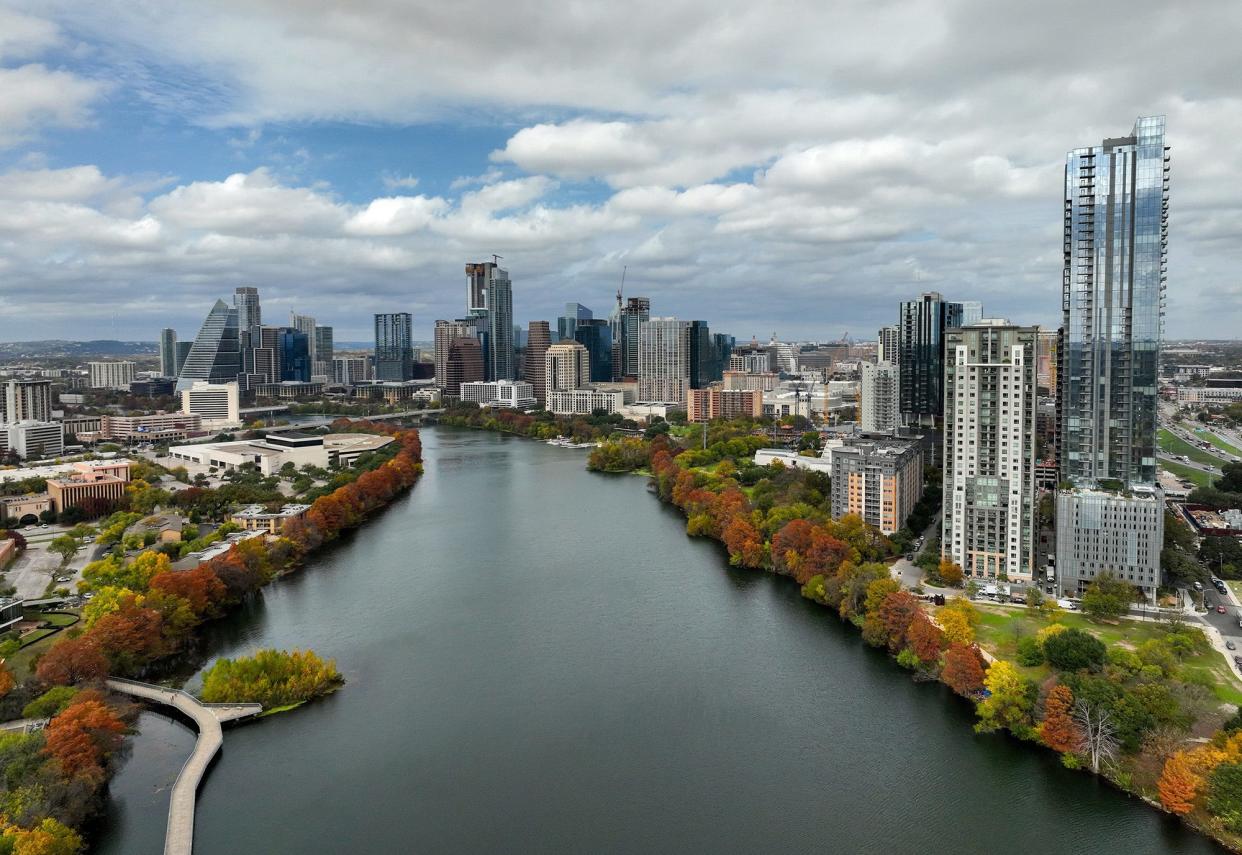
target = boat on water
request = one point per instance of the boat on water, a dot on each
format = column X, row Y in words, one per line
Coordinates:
column 566, row 442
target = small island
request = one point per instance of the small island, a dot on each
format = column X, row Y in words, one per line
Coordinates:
column 280, row 680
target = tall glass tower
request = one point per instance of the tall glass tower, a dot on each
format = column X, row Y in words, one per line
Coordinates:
column 1116, row 229
column 215, row 355
column 489, row 297
column 394, row 346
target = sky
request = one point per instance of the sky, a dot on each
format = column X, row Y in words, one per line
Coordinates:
column 796, row 167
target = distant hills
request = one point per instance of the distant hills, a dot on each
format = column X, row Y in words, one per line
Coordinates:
column 48, row 348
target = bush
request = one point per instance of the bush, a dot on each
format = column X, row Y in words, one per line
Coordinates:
column 1029, row 652
column 50, row 703
column 1074, row 650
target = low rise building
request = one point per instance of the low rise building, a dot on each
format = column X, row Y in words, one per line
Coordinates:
column 259, row 518
column 149, row 428
column 11, row 609
column 344, row 449
column 514, row 394
column 31, row 440
column 791, row 459
column 92, row 479
column 268, row 454
column 289, row 389
column 1109, row 531
column 584, row 401
column 24, row 510
column 880, row 480
column 745, row 380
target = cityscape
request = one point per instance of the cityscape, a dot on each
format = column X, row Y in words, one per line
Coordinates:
column 621, row 578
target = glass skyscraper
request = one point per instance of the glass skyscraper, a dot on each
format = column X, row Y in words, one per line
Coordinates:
column 394, row 346
column 1116, row 228
column 921, row 331
column 489, row 297
column 215, row 355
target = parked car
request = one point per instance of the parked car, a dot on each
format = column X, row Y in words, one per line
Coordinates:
column 1220, row 610
column 1237, row 660
column 1229, row 645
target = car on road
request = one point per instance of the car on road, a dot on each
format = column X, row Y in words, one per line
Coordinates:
column 1229, row 645
column 1220, row 610
column 1237, row 660
column 909, row 556
column 64, row 578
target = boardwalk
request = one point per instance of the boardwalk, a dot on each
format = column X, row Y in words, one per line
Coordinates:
column 179, row 836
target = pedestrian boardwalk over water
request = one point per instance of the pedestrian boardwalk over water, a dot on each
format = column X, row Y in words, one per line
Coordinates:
column 179, row 836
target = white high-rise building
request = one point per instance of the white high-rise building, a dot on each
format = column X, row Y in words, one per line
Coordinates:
column 351, row 370
column 880, row 405
column 110, row 375
column 27, row 400
column 989, row 450
column 663, row 360
column 217, row 403
column 33, row 440
column 567, row 366
column 888, row 345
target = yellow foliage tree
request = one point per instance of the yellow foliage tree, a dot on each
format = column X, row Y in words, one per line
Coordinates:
column 1049, row 631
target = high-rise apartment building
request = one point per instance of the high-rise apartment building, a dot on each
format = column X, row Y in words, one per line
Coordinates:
column 325, row 352
column 663, row 360
column 989, row 450
column 888, row 347
column 716, row 402
column 394, row 347
column 596, row 336
column 567, row 324
column 1113, row 285
column 305, row 324
column 110, row 375
column 215, row 355
column 27, row 401
column 626, row 320
column 462, row 364
column 168, row 352
column 350, row 370
column 879, row 402
column 249, row 313
column 921, row 330
column 489, row 297
column 567, row 366
column 295, row 357
column 445, row 333
column 705, row 367
column 538, row 340
column 880, row 480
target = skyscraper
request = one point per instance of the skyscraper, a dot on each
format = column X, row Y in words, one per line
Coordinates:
column 489, row 296
column 538, row 340
column 989, row 450
column 595, row 335
column 305, row 324
column 394, row 348
column 27, row 401
column 295, row 361
column 183, row 350
column 663, row 360
column 325, row 352
column 879, row 397
column 629, row 316
column 920, row 331
column 246, row 302
column 215, row 356
column 889, row 345
column 463, row 364
column 445, row 332
column 168, row 352
column 575, row 313
column 704, row 368
column 567, row 366
column 1113, row 283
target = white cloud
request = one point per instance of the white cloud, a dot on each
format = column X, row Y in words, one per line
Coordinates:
column 400, row 182
column 399, row 215
column 33, row 96
column 248, row 204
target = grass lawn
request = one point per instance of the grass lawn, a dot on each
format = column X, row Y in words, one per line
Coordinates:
column 40, row 640
column 1195, row 476
column 1173, row 444
column 1000, row 630
column 1213, row 438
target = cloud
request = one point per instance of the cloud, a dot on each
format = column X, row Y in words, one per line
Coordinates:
column 33, row 97
column 400, row 182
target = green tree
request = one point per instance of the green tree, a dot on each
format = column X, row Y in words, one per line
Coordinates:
column 1225, row 795
column 1108, row 597
column 1074, row 650
column 66, row 546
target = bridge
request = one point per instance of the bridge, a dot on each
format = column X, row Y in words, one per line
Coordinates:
column 179, row 835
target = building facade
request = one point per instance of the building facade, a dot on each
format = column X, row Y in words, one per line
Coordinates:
column 664, row 360
column 888, row 345
column 110, row 375
column 879, row 397
column 464, row 364
column 596, row 336
column 215, row 354
column 921, row 331
column 325, row 352
column 1105, row 531
column 350, row 370
column 149, row 428
column 104, row 480
column 880, row 480
column 394, row 346
column 217, row 404
column 538, row 340
column 585, row 402
column 168, row 352
column 629, row 316
column 445, row 333
column 514, row 394
column 989, row 450
column 567, row 324
column 31, row 440
column 27, row 400
column 716, row 402
column 489, row 297
column 567, row 366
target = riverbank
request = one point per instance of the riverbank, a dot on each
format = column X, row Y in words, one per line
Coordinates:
column 148, row 614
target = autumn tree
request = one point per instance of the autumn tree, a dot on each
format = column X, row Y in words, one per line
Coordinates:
column 200, row 587
column 963, row 668
column 48, row 837
column 6, row 680
column 1008, row 704
column 82, row 736
column 72, row 660
column 896, row 614
column 950, row 572
column 742, row 540
column 1058, row 730
column 926, row 640
column 958, row 619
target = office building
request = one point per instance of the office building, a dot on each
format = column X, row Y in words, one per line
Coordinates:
column 110, row 375
column 154, row 387
column 325, row 352
column 584, row 402
column 888, row 345
column 305, row 324
column 463, row 364
column 663, row 360
column 351, row 370
column 217, row 403
column 716, row 402
column 705, row 367
column 1113, row 287
column 489, row 297
column 394, row 346
column 596, row 336
column 103, row 480
column 183, row 350
column 921, row 331
column 748, row 361
column 249, row 313
column 538, row 340
column 567, row 324
column 269, row 454
column 879, row 398
column 31, row 440
column 567, row 366
column 27, row 400
column 445, row 333
column 880, row 480
column 295, row 356
column 746, row 380
column 513, row 394
column 215, row 355
column 156, row 427
column 168, row 352
column 989, row 450
column 628, row 317
column 972, row 312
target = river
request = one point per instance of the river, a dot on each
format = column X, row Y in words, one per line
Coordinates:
column 539, row 660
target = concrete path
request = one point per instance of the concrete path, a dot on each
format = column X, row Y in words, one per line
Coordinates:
column 179, row 836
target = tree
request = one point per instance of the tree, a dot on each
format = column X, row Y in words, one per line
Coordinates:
column 1008, row 703
column 49, row 837
column 1074, row 650
column 926, row 639
column 72, row 660
column 1230, row 480
column 1099, row 732
column 950, row 572
column 66, row 546
column 1225, row 794
column 1108, row 597
column 958, row 619
column 82, row 736
column 896, row 613
column 1058, row 730
column 963, row 669
column 6, row 680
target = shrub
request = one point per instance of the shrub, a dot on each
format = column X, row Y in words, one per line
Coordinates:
column 1074, row 650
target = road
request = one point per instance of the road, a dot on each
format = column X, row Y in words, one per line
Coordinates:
column 1227, row 623
column 31, row 572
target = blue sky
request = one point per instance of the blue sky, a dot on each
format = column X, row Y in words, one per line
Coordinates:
column 797, row 170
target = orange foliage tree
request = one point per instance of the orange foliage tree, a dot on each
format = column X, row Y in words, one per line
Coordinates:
column 1178, row 784
column 6, row 680
column 963, row 669
column 1058, row 730
column 896, row 613
column 926, row 639
column 82, row 736
column 744, row 543
column 200, row 587
column 73, row 660
column 950, row 572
